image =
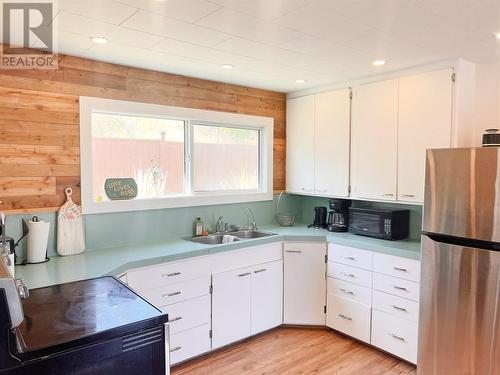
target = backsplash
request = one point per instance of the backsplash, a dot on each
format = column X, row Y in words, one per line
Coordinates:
column 308, row 204
column 139, row 227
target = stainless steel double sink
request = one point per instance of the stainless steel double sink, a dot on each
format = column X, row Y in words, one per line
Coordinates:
column 241, row 235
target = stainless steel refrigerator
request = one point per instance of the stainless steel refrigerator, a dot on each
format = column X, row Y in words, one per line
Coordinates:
column 459, row 329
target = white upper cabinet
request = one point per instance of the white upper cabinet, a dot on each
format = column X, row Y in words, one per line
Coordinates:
column 425, row 121
column 374, row 140
column 300, row 145
column 333, row 117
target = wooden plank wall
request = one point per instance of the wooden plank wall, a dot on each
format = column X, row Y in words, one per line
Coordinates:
column 39, row 121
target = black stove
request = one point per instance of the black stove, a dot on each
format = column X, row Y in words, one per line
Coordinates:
column 96, row 326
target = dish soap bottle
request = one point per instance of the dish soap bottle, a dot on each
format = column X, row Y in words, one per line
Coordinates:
column 198, row 227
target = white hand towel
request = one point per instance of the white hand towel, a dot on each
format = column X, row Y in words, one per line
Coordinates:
column 229, row 239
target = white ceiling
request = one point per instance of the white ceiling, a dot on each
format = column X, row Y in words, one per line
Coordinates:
column 272, row 43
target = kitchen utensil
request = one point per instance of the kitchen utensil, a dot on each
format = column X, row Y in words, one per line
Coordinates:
column 70, row 234
column 284, row 220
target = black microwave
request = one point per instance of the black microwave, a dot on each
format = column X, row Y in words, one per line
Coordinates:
column 380, row 223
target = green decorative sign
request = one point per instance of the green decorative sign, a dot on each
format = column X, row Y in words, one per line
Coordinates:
column 118, row 189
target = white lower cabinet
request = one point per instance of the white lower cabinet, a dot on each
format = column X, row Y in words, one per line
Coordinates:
column 267, row 297
column 304, row 297
column 349, row 317
column 189, row 343
column 231, row 306
column 395, row 335
column 246, row 301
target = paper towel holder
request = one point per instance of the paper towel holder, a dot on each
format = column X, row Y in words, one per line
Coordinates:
column 25, row 262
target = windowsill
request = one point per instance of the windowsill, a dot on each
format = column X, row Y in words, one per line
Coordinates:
column 174, row 202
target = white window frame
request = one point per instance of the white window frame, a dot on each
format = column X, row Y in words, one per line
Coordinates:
column 265, row 125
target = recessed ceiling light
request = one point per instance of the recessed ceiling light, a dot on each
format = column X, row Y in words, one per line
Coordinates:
column 379, row 62
column 497, row 35
column 300, row 81
column 227, row 66
column 99, row 40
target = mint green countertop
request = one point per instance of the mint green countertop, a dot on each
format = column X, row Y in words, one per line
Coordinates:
column 115, row 261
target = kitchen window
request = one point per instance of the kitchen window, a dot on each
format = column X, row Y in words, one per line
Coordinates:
column 138, row 156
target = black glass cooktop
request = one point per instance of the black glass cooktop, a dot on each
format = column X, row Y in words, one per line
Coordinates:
column 63, row 313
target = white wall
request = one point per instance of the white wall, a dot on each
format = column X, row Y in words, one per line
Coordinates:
column 487, row 113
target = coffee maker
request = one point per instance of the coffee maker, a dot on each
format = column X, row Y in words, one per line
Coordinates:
column 338, row 218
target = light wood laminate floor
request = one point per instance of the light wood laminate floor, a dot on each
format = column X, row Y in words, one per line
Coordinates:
column 293, row 350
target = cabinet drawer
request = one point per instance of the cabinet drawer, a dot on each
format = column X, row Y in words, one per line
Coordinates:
column 350, row 274
column 188, row 314
column 168, row 273
column 397, row 287
column 395, row 335
column 349, row 317
column 174, row 293
column 247, row 257
column 400, row 307
column 350, row 256
column 404, row 268
column 190, row 343
column 350, row 291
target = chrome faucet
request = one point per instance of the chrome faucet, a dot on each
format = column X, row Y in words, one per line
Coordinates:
column 253, row 223
column 219, row 226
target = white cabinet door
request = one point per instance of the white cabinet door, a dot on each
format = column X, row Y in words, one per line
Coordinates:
column 304, row 283
column 374, row 140
column 300, row 145
column 425, row 121
column 333, row 121
column 231, row 306
column 267, row 296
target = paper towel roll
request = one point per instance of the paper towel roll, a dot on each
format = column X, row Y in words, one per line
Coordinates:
column 38, row 238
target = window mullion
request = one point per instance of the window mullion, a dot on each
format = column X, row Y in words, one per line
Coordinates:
column 188, row 149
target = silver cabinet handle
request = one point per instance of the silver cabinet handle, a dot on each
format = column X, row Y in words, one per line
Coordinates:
column 400, row 269
column 175, row 319
column 307, row 190
column 408, row 195
column 345, row 317
column 175, row 349
column 400, row 288
column 388, row 194
column 245, row 274
column 350, row 258
column 171, row 274
column 347, row 292
column 402, row 339
column 260, row 271
column 294, row 251
column 171, row 294
column 399, row 308
column 348, row 275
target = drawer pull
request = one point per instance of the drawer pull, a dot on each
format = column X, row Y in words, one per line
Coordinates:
column 171, row 274
column 398, row 338
column 175, row 349
column 347, row 292
column 399, row 308
column 400, row 269
column 388, row 194
column 345, row 317
column 171, row 294
column 400, row 288
column 175, row 319
column 245, row 274
column 349, row 275
column 350, row 258
column 294, row 251
column 408, row 195
column 260, row 271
